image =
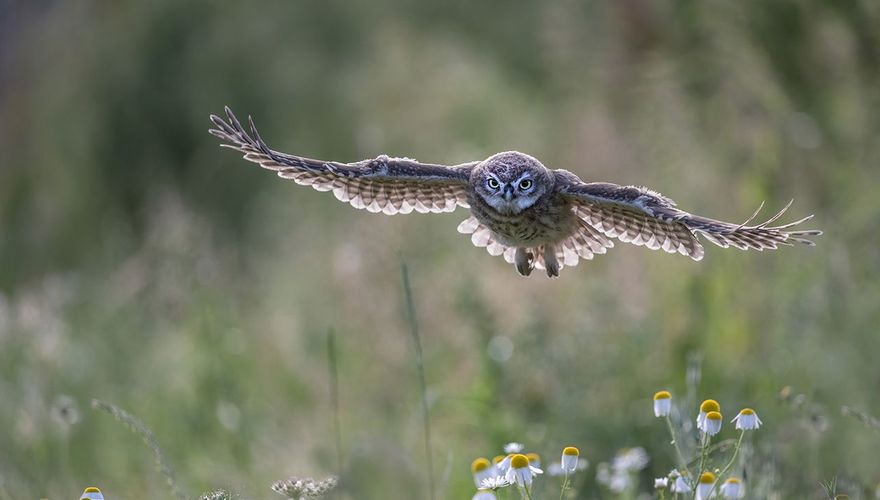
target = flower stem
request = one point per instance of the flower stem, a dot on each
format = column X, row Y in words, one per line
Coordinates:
column 675, row 443
column 704, row 446
column 730, row 463
column 564, row 487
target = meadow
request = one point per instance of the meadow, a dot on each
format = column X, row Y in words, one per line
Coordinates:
column 261, row 330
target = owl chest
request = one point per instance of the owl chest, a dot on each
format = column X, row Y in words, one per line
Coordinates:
column 538, row 225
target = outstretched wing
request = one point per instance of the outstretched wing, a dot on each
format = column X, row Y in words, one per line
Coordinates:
column 387, row 185
column 640, row 216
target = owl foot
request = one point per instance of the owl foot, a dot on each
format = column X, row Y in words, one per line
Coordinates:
column 525, row 261
column 550, row 262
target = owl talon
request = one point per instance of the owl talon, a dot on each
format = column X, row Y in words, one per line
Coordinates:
column 550, row 262
column 525, row 262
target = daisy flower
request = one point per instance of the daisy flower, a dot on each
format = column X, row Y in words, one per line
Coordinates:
column 513, row 447
column 484, row 495
column 481, row 469
column 520, row 472
column 494, row 483
column 712, row 423
column 747, row 420
column 680, row 484
column 707, row 406
column 569, row 460
column 502, row 464
column 616, row 480
column 631, row 459
column 705, row 485
column 534, row 459
column 733, row 488
column 92, row 493
column 662, row 404
column 661, row 483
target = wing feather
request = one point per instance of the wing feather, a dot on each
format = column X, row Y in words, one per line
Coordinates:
column 386, row 185
column 640, row 216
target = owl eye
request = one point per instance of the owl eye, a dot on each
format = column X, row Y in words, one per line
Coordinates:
column 525, row 184
column 493, row 183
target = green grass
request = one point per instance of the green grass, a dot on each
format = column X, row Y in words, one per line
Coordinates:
column 143, row 266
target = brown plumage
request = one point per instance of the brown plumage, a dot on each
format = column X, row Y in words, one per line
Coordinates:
column 531, row 215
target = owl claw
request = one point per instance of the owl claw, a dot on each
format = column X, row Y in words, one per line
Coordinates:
column 550, row 262
column 525, row 261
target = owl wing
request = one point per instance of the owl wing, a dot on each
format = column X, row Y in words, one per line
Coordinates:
column 387, row 185
column 640, row 216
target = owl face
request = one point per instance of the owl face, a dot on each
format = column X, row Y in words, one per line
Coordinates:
column 510, row 182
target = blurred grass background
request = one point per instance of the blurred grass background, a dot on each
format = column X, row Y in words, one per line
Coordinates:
column 142, row 265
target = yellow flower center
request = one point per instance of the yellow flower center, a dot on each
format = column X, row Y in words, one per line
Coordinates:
column 747, row 411
column 533, row 457
column 497, row 459
column 519, row 461
column 479, row 464
column 713, row 415
column 707, row 478
column 733, row 480
column 92, row 489
column 710, row 405
column 662, row 395
column 571, row 450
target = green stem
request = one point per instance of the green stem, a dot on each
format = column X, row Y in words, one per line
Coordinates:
column 704, row 445
column 729, row 464
column 332, row 367
column 414, row 329
column 675, row 444
column 564, row 487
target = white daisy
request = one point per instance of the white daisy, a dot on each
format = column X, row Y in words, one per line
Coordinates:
column 502, row 464
column 705, row 485
column 662, row 404
column 661, row 483
column 513, row 447
column 631, row 459
column 92, row 493
column 494, row 483
column 534, row 459
column 747, row 420
column 712, row 423
column 733, row 488
column 482, row 469
column 569, row 460
column 707, row 406
column 616, row 480
column 520, row 472
column 680, row 484
column 484, row 495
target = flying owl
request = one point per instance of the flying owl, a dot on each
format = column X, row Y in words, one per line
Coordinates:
column 533, row 216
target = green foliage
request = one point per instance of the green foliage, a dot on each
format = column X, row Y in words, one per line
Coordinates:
column 141, row 264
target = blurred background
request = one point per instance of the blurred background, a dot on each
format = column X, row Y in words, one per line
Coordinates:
column 143, row 265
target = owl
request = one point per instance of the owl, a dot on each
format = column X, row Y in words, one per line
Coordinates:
column 533, row 216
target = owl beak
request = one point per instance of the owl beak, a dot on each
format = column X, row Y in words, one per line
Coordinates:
column 508, row 193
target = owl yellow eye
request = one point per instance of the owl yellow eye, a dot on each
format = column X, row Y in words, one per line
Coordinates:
column 493, row 183
column 525, row 184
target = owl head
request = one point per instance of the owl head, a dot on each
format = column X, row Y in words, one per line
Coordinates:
column 511, row 182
